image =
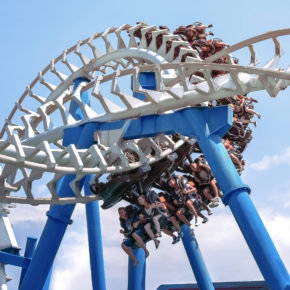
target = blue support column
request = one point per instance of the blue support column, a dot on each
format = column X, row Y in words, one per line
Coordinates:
column 236, row 195
column 14, row 260
column 207, row 125
column 195, row 258
column 29, row 250
column 147, row 81
column 95, row 240
column 59, row 217
column 85, row 140
column 74, row 108
column 137, row 274
column 48, row 278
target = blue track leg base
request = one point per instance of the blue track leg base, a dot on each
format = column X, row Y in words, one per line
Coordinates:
column 95, row 240
column 29, row 250
column 259, row 241
column 48, row 279
column 208, row 125
column 236, row 195
column 195, row 258
column 58, row 218
column 137, row 274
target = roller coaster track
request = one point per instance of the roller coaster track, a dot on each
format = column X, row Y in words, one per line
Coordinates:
column 32, row 136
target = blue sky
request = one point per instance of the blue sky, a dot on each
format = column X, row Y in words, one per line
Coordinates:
column 34, row 32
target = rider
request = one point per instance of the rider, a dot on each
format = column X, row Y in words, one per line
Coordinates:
column 132, row 229
column 150, row 208
column 173, row 213
column 204, row 177
column 182, row 191
column 233, row 154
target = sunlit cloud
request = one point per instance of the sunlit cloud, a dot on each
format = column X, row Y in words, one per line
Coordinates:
column 28, row 214
column 222, row 245
column 270, row 160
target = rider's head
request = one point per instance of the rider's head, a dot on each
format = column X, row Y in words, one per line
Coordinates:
column 141, row 199
column 193, row 166
column 172, row 181
column 122, row 212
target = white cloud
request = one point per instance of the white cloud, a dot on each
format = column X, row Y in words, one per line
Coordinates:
column 72, row 264
column 222, row 245
column 32, row 215
column 269, row 160
column 24, row 214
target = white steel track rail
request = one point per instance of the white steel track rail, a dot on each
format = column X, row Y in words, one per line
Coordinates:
column 31, row 141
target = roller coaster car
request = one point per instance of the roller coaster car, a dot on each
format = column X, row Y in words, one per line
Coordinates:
column 162, row 169
column 112, row 191
column 129, row 185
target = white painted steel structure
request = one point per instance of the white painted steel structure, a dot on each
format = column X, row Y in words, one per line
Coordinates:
column 31, row 139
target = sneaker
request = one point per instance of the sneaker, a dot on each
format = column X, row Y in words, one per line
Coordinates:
column 192, row 227
column 214, row 203
column 205, row 220
column 175, row 240
column 156, row 242
column 197, row 221
column 210, row 213
column 180, row 235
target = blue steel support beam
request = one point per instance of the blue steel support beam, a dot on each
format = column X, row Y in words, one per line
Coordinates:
column 10, row 259
column 236, row 195
column 59, row 217
column 208, row 125
column 28, row 253
column 46, row 285
column 95, row 240
column 147, row 81
column 137, row 274
column 74, row 108
column 195, row 258
column 92, row 208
